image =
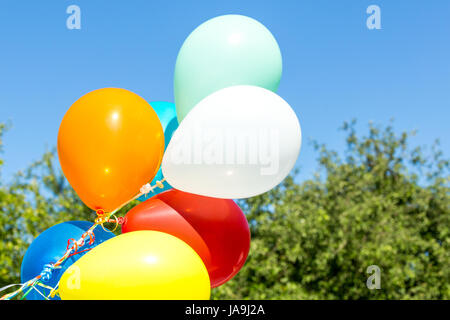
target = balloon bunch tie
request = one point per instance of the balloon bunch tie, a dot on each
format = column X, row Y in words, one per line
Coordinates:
column 160, row 184
column 46, row 273
column 74, row 245
column 147, row 188
column 100, row 216
column 91, row 235
column 103, row 218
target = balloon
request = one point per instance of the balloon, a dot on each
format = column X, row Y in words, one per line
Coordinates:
column 238, row 142
column 225, row 51
column 215, row 228
column 168, row 117
column 141, row 265
column 110, row 143
column 50, row 246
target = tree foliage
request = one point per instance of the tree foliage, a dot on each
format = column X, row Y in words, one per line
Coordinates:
column 378, row 203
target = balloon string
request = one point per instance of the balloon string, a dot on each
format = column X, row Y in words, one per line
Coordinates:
column 145, row 189
column 53, row 291
column 38, row 291
column 73, row 246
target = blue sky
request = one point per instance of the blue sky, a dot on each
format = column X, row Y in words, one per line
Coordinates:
column 334, row 67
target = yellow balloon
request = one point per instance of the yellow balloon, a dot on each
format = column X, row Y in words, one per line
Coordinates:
column 139, row 265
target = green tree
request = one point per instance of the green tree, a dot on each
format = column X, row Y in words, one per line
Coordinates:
column 379, row 203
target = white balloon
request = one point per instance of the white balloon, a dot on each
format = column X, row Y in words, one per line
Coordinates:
column 238, row 142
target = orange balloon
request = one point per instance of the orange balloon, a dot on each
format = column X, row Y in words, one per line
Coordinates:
column 110, row 143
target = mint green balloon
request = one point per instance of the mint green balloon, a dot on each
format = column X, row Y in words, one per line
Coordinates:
column 222, row 52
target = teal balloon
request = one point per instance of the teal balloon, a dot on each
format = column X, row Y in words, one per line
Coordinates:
column 222, row 52
column 168, row 117
column 167, row 114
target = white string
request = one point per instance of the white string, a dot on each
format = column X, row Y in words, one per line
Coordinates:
column 142, row 191
column 34, row 287
column 11, row 285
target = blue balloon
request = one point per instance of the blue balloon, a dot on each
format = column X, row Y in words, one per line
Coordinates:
column 167, row 114
column 49, row 247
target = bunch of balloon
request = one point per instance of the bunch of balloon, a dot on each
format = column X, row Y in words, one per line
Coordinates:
column 237, row 138
column 228, row 136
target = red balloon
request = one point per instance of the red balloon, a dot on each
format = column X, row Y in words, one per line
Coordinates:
column 215, row 228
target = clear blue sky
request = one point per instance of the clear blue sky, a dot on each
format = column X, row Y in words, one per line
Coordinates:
column 334, row 68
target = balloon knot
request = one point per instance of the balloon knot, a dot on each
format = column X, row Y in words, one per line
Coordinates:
column 91, row 235
column 46, row 273
column 146, row 188
column 160, row 184
column 74, row 245
column 102, row 217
